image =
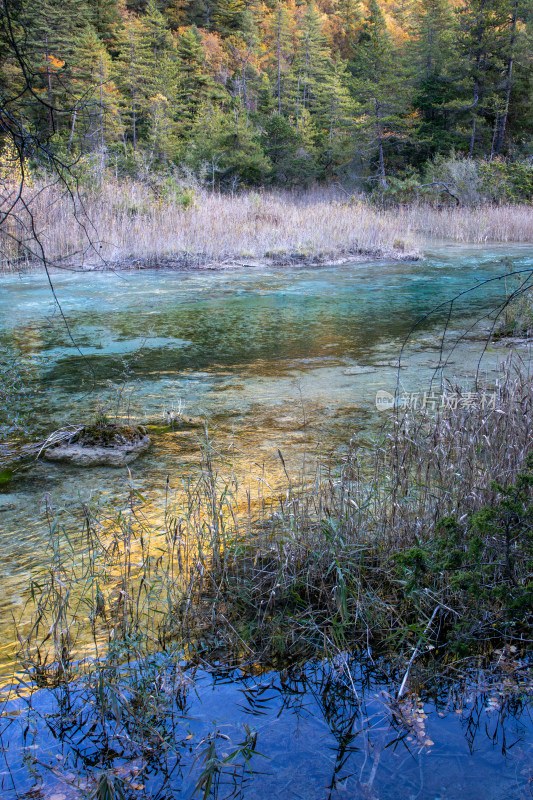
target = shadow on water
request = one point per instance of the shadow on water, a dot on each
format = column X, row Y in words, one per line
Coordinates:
column 327, row 730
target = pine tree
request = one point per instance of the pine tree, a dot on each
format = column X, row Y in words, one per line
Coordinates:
column 196, row 87
column 51, row 35
column 382, row 89
column 149, row 77
column 516, row 50
column 134, row 77
column 433, row 35
column 228, row 15
column 226, row 148
column 105, row 19
column 95, row 121
column 432, row 30
column 477, row 70
column 348, row 21
column 292, row 163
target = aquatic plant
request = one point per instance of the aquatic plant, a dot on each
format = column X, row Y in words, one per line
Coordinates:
column 412, row 539
column 415, row 552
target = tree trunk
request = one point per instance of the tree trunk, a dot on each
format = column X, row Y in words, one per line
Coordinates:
column 508, row 83
column 477, row 85
column 279, row 58
column 379, row 135
column 49, row 93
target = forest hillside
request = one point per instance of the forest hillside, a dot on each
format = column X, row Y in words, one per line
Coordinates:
column 378, row 95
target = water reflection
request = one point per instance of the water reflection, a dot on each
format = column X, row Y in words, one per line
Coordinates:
column 327, row 730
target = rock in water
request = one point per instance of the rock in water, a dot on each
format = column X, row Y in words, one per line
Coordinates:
column 109, row 446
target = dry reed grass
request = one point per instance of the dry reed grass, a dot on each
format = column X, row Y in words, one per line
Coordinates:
column 131, row 224
column 352, row 560
column 477, row 225
column 136, row 224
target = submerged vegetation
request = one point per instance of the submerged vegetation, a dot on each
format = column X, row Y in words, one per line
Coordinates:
column 439, row 552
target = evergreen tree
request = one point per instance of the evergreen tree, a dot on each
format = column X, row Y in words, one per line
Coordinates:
column 226, row 148
column 382, row 89
column 51, row 35
column 135, row 78
column 95, row 121
column 300, row 87
column 292, row 163
column 149, row 75
column 196, row 87
column 516, row 58
column 228, row 15
column 348, row 21
column 477, row 71
column 433, row 35
column 105, row 19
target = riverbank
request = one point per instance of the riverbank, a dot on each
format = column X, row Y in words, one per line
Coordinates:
column 133, row 225
column 127, row 224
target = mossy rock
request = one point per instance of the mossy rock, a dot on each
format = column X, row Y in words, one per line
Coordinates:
column 6, row 476
column 104, row 444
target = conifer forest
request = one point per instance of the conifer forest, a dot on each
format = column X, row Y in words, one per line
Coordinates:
column 282, row 94
column 266, row 399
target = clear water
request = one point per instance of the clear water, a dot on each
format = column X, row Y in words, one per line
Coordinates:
column 328, row 731
column 272, row 359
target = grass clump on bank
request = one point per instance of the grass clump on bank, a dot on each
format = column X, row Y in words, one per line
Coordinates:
column 425, row 539
column 517, row 318
column 133, row 224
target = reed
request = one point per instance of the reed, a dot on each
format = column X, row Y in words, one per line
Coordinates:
column 132, row 224
column 426, row 533
column 138, row 224
column 481, row 224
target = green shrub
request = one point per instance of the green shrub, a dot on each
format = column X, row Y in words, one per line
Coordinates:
column 482, row 565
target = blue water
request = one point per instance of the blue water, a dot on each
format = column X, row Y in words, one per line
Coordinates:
column 327, row 731
column 272, row 359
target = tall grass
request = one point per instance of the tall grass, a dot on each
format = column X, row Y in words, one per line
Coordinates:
column 478, row 225
column 427, row 533
column 134, row 224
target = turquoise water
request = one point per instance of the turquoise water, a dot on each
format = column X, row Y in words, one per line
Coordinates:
column 227, row 343
column 271, row 359
column 287, row 359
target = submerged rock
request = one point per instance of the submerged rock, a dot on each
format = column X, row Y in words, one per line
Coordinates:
column 359, row 370
column 109, row 445
column 7, row 502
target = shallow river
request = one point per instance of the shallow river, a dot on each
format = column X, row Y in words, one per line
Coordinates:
column 272, row 359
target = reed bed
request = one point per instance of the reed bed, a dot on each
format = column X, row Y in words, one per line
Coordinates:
column 481, row 224
column 132, row 224
column 426, row 536
column 128, row 224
